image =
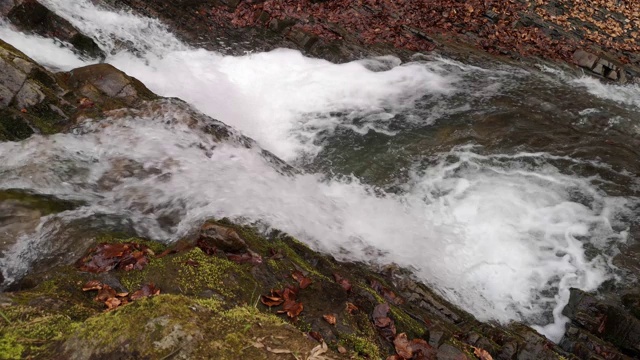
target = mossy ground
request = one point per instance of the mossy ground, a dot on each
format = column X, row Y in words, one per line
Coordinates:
column 209, row 307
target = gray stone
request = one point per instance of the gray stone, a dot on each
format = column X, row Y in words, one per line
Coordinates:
column 448, row 352
column 29, row 95
column 128, row 91
column 584, row 59
column 23, row 65
column 11, row 78
column 599, row 69
column 5, row 97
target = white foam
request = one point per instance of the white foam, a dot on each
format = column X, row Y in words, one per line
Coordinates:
column 46, row 52
column 628, row 94
column 490, row 233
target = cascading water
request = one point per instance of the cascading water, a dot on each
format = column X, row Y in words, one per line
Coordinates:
column 502, row 235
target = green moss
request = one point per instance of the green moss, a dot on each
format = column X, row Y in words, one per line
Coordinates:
column 10, row 347
column 361, row 345
column 33, row 331
column 175, row 274
column 406, row 323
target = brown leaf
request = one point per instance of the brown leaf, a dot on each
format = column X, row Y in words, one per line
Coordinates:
column 271, row 300
column 105, row 294
column 342, row 350
column 106, row 257
column 388, row 295
column 302, row 280
column 147, row 290
column 330, row 318
column 292, row 308
column 346, row 285
column 316, row 336
column 92, row 285
column 23, row 110
column 395, row 357
column 112, row 303
column 351, row 308
column 248, row 257
column 403, row 346
column 482, row 354
column 422, row 350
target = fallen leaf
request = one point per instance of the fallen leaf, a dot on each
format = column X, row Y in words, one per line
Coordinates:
column 271, row 300
column 92, row 285
column 302, row 280
column 403, row 346
column 351, row 308
column 342, row 350
column 422, row 350
column 112, row 303
column 346, row 285
column 330, row 318
column 482, row 354
column 278, row 351
column 248, row 257
column 105, row 293
column 292, row 308
column 316, row 336
column 23, row 110
column 147, row 290
column 106, row 257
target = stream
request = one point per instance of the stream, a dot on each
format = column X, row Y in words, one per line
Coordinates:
column 501, row 187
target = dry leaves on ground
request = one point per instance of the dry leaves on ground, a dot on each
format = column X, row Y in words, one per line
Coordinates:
column 112, row 299
column 120, row 256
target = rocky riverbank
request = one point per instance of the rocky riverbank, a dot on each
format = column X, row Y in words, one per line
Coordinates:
column 229, row 291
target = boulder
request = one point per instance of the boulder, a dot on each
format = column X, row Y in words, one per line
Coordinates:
column 31, row 16
column 223, row 238
column 584, row 59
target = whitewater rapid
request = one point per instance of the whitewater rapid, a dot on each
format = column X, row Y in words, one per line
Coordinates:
column 502, row 236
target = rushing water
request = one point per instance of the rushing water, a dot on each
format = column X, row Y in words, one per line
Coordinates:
column 471, row 176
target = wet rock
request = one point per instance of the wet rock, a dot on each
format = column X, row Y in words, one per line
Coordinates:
column 584, row 59
column 109, row 81
column 604, row 320
column 449, row 352
column 587, row 346
column 31, row 16
column 223, row 238
column 29, row 95
column 20, row 214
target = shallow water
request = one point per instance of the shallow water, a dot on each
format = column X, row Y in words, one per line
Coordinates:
column 499, row 186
